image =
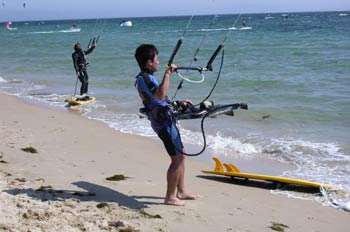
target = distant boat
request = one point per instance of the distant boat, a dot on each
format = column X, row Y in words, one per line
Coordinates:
column 8, row 26
column 126, row 23
column 268, row 16
column 245, row 25
column 75, row 28
column 285, row 16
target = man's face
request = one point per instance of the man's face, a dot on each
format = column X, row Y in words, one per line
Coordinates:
column 78, row 46
column 153, row 65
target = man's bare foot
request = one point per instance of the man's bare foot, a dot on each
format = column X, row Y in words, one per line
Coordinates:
column 174, row 201
column 187, row 196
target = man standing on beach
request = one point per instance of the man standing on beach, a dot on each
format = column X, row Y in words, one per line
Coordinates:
column 80, row 66
column 154, row 98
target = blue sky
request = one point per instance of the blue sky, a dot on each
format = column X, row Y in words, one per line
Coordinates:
column 78, row 9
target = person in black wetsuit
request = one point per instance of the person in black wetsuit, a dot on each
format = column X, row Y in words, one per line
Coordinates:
column 80, row 64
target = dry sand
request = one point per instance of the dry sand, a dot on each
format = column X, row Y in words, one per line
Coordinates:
column 63, row 187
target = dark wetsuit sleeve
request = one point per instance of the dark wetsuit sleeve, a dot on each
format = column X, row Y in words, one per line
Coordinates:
column 75, row 58
column 88, row 51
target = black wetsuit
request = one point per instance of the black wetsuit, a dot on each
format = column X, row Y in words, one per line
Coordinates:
column 80, row 64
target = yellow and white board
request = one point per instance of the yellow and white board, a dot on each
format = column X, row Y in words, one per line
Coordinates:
column 232, row 171
column 75, row 102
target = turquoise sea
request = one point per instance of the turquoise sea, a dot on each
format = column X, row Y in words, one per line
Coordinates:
column 292, row 70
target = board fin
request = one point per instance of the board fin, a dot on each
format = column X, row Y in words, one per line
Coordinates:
column 218, row 165
column 231, row 168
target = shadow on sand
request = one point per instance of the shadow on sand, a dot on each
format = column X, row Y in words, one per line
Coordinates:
column 93, row 192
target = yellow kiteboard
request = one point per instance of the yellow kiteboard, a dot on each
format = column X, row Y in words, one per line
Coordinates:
column 232, row 171
column 75, row 101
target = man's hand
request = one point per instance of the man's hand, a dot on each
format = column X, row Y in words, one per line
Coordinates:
column 170, row 69
column 185, row 103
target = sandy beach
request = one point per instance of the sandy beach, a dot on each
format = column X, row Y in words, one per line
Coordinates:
column 63, row 186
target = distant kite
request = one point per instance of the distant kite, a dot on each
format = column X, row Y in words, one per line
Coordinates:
column 3, row 4
column 24, row 4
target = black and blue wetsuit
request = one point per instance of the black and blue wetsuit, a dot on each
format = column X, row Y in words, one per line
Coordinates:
column 159, row 113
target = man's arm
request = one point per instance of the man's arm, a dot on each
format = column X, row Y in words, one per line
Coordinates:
column 89, row 50
column 75, row 62
column 162, row 90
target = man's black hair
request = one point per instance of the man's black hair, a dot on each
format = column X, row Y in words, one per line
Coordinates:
column 145, row 52
column 76, row 47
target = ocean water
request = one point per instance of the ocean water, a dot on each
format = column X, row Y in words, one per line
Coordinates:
column 293, row 72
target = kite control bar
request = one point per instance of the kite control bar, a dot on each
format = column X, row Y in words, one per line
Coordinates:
column 209, row 66
column 199, row 69
column 205, row 109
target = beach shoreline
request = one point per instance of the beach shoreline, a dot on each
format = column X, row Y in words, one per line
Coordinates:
column 63, row 187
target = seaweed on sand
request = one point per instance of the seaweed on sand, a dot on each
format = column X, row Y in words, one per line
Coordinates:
column 278, row 226
column 117, row 177
column 29, row 150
